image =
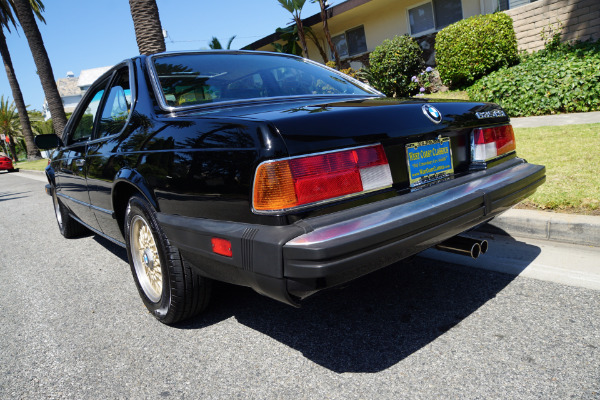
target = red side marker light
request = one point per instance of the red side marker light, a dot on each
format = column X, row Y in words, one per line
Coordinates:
column 222, row 247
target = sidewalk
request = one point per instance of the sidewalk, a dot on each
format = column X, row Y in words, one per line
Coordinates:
column 555, row 120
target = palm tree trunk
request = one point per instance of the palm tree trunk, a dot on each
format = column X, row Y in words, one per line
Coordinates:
column 146, row 22
column 301, row 35
column 13, row 148
column 42, row 63
column 32, row 151
column 328, row 34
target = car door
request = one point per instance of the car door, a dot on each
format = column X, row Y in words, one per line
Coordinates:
column 71, row 174
column 102, row 160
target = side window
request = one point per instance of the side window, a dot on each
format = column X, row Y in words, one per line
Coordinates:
column 85, row 126
column 117, row 106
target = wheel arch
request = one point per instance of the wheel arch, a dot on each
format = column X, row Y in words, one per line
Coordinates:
column 128, row 183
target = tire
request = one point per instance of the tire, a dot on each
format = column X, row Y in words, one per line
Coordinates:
column 68, row 226
column 172, row 291
column 14, row 170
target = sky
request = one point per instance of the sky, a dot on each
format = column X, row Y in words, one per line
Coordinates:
column 84, row 34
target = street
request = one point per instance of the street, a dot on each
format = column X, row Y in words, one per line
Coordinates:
column 73, row 326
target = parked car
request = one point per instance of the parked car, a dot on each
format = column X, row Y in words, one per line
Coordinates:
column 273, row 172
column 6, row 163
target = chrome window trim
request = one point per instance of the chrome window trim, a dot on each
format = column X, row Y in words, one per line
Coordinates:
column 400, row 212
column 132, row 88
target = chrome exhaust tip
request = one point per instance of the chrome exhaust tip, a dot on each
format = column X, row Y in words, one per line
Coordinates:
column 464, row 246
column 484, row 246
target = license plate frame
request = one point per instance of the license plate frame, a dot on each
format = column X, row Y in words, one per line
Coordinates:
column 429, row 161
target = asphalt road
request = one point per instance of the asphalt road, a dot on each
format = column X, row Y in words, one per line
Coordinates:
column 73, row 326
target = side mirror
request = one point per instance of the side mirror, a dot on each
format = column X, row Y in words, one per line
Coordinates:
column 47, row 142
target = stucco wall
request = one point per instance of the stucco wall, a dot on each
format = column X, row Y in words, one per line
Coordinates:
column 382, row 19
column 580, row 20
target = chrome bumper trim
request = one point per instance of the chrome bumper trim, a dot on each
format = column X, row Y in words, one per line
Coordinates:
column 396, row 215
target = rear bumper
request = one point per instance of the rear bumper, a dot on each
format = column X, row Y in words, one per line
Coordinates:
column 321, row 252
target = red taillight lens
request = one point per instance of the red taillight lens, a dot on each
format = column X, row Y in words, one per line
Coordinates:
column 488, row 143
column 304, row 180
column 222, row 247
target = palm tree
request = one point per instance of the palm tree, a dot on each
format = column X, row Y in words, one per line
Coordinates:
column 9, row 124
column 24, row 10
column 146, row 22
column 295, row 8
column 6, row 20
column 216, row 45
column 327, row 33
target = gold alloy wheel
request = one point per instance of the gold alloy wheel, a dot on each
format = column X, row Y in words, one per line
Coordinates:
column 145, row 258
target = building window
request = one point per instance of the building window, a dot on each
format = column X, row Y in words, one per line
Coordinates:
column 351, row 42
column 510, row 4
column 434, row 15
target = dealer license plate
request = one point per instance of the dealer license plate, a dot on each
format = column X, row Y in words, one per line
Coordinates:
column 429, row 160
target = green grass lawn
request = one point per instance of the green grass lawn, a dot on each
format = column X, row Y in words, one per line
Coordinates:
column 571, row 154
column 37, row 165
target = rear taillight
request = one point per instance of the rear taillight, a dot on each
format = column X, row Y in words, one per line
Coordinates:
column 488, row 143
column 300, row 181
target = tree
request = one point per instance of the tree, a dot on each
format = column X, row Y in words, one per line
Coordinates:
column 9, row 124
column 289, row 36
column 6, row 20
column 148, row 30
column 327, row 33
column 216, row 45
column 24, row 11
column 295, row 8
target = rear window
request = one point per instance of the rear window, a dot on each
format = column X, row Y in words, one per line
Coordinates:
column 192, row 79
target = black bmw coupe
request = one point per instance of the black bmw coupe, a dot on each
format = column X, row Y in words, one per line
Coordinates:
column 273, row 172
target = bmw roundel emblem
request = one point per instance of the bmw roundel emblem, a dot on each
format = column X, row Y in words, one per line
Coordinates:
column 432, row 113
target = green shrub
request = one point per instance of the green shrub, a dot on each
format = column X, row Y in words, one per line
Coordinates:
column 473, row 47
column 555, row 80
column 393, row 63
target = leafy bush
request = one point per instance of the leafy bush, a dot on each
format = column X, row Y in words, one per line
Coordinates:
column 473, row 47
column 393, row 63
column 558, row 79
column 348, row 71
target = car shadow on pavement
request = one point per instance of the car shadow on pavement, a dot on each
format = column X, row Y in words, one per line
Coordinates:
column 370, row 324
column 114, row 248
column 4, row 196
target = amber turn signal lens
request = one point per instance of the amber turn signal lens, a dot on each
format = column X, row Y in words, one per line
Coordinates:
column 275, row 187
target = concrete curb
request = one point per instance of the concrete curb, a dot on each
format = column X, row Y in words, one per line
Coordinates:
column 32, row 172
column 566, row 228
